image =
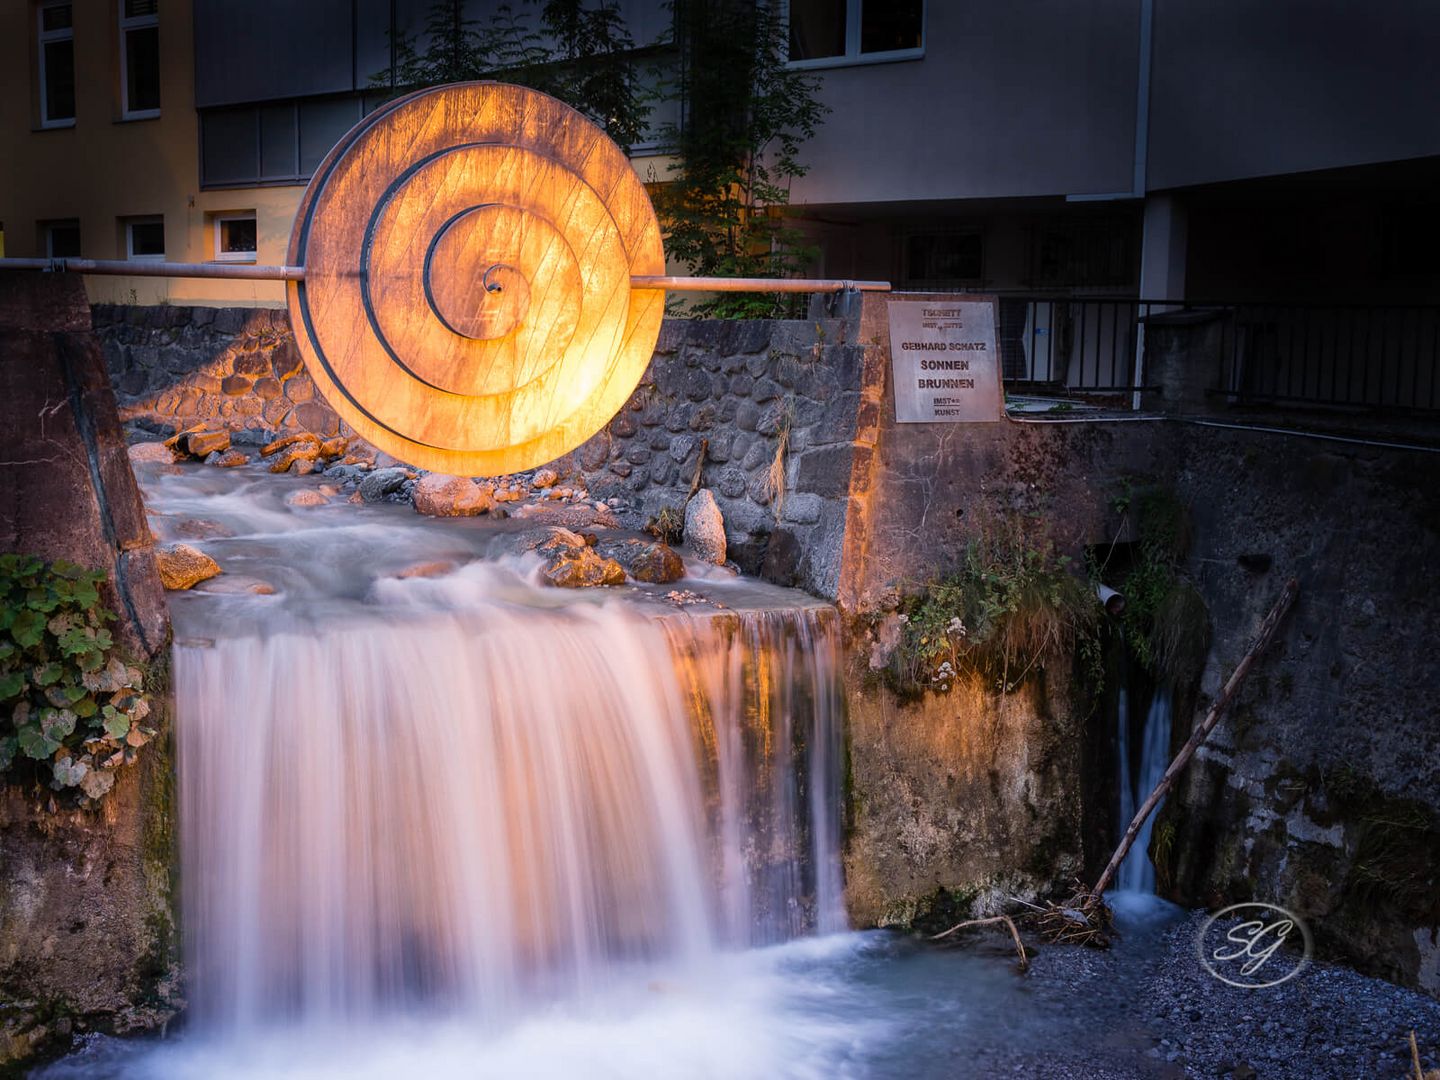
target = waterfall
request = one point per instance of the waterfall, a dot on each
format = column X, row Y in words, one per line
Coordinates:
column 1137, row 872
column 463, row 803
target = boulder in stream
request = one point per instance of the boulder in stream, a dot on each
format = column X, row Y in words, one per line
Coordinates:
column 440, row 495
column 182, row 566
column 147, row 453
column 201, row 444
column 382, row 483
column 705, row 528
column 644, row 560
column 581, row 568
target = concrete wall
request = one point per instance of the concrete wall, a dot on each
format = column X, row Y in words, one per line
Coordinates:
column 1030, row 98
column 1320, row 790
column 88, row 935
column 1246, row 88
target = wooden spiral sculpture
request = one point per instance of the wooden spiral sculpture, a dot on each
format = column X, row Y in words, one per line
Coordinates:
column 466, row 304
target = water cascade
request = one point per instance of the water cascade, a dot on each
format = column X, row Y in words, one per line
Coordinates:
column 465, row 805
column 439, row 821
column 1137, row 872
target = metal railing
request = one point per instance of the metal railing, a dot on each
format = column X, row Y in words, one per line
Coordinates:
column 1348, row 356
column 1325, row 355
column 1069, row 345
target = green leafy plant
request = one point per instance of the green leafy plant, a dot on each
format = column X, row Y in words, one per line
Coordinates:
column 72, row 711
column 1013, row 605
column 747, row 113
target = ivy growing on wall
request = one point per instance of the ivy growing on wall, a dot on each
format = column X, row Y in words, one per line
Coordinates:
column 72, row 711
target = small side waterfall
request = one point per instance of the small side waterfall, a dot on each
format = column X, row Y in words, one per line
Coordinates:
column 1137, row 872
column 463, row 805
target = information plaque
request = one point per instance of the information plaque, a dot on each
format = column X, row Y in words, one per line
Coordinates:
column 942, row 356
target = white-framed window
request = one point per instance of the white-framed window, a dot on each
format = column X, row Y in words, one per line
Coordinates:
column 62, row 239
column 56, row 55
column 235, row 236
column 139, row 59
column 829, row 33
column 145, row 238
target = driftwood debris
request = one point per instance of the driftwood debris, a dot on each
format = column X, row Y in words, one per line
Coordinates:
column 1420, row 1073
column 1199, row 735
column 992, row 920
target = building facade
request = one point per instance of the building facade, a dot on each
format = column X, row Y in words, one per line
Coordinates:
column 1170, row 149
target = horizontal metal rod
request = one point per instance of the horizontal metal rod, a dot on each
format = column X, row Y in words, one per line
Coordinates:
column 252, row 272
column 148, row 268
column 756, row 284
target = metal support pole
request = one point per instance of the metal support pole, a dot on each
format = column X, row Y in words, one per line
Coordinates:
column 252, row 272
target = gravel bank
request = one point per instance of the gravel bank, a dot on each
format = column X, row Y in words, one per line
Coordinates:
column 1147, row 1008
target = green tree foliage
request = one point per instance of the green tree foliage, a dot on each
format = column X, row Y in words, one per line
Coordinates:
column 580, row 52
column 71, row 710
column 746, row 115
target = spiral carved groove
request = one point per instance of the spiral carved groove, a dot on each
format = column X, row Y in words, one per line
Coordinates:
column 467, row 305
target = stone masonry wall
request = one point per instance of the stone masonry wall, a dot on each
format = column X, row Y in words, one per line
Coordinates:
column 727, row 396
column 733, row 399
column 237, row 368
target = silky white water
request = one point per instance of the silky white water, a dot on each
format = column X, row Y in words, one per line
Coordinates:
column 1137, row 871
column 469, row 805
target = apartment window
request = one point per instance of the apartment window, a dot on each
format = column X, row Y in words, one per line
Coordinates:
column 145, row 238
column 827, row 32
column 140, row 59
column 1090, row 253
column 943, row 258
column 235, row 237
column 277, row 143
column 62, row 239
column 57, row 65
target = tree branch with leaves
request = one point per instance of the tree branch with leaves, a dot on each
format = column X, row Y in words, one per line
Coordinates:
column 746, row 115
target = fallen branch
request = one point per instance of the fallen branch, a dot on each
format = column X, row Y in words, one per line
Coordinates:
column 1083, row 919
column 1198, row 736
column 1014, row 933
column 1420, row 1074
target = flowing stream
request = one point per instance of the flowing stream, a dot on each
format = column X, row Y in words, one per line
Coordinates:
column 438, row 821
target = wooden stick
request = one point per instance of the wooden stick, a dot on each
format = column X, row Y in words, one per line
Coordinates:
column 1198, row 736
column 699, row 466
column 1014, row 933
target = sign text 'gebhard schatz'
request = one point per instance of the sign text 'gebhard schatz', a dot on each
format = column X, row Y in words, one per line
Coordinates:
column 942, row 354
